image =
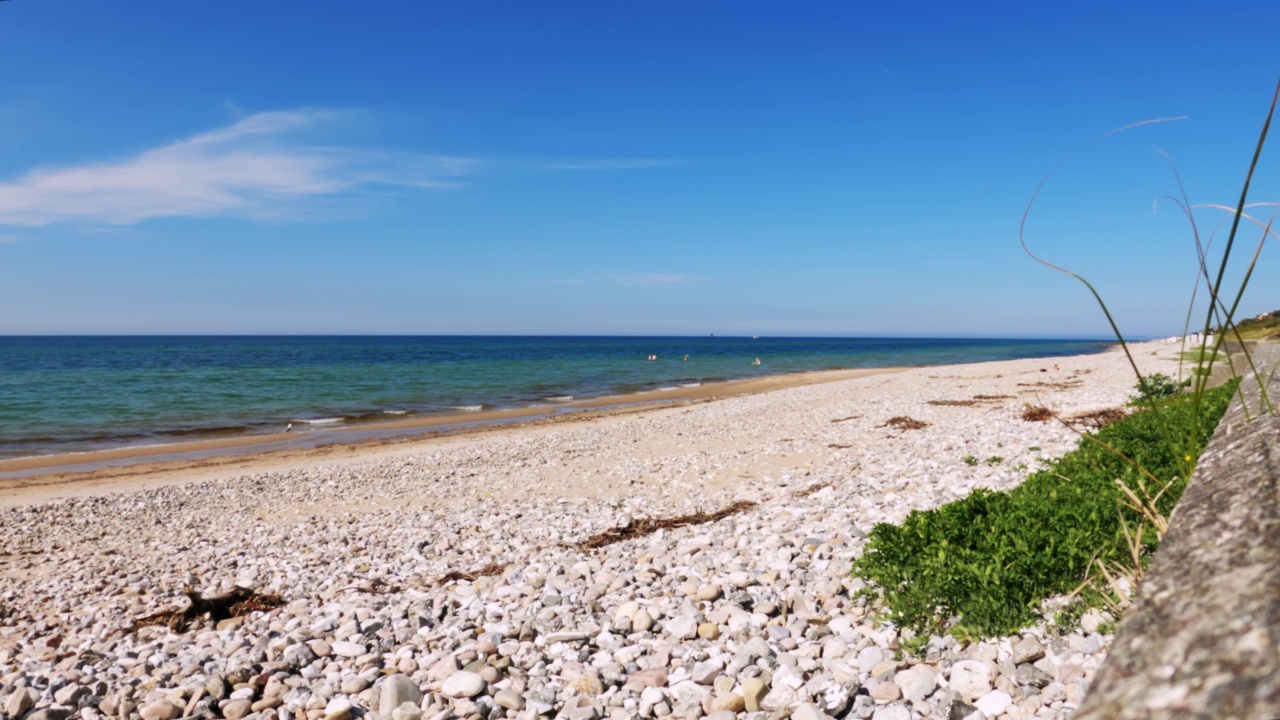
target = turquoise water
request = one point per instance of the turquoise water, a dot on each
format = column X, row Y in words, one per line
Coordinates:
column 66, row 394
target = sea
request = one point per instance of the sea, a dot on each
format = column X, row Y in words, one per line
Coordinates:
column 75, row 394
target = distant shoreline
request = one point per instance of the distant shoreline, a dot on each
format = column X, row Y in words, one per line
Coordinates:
column 410, row 429
column 131, row 395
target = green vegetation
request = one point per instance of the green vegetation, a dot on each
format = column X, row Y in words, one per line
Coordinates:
column 989, row 560
column 1201, row 355
column 969, row 460
column 1264, row 326
column 1155, row 386
column 995, row 460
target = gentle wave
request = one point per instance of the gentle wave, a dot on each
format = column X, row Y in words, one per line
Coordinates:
column 688, row 385
column 558, row 398
column 395, row 412
column 320, row 421
column 467, row 408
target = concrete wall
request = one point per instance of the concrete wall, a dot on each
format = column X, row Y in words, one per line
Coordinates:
column 1203, row 640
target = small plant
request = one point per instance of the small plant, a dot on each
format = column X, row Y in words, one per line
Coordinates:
column 995, row 460
column 993, row 557
column 1020, row 467
column 1155, row 386
column 913, row 647
column 969, row 460
column 1034, row 448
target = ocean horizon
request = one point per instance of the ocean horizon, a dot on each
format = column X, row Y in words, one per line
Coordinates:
column 63, row 394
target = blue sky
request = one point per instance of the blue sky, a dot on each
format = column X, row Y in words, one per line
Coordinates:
column 601, row 168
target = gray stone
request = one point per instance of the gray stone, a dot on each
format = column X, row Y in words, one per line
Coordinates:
column 863, row 707
column 299, row 655
column 396, row 690
column 837, row 698
column 407, row 711
column 705, row 672
column 1027, row 650
column 917, row 683
column 1031, row 675
column 217, row 688
column 509, row 699
column 870, row 657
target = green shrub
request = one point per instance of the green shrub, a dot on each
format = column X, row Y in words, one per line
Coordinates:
column 990, row 559
column 1156, row 386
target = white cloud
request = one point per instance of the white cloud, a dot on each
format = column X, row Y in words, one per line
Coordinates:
column 651, row 279
column 256, row 167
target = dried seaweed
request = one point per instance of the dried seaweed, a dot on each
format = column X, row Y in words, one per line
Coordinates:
column 851, row 417
column 954, row 403
column 1097, row 419
column 838, row 446
column 1035, row 413
column 239, row 602
column 992, row 397
column 648, row 526
column 487, row 571
column 811, row 490
column 902, row 422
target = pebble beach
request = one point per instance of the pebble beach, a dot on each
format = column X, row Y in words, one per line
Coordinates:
column 457, row 577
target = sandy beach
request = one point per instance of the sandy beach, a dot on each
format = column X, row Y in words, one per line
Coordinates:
column 444, row 576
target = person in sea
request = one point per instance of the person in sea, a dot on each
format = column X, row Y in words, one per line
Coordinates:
column 686, row 358
column 756, row 361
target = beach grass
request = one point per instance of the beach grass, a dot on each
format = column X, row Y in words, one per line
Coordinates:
column 983, row 565
column 1089, row 522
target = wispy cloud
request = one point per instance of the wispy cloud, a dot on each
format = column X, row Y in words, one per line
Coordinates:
column 260, row 166
column 615, row 164
column 650, row 279
column 8, row 239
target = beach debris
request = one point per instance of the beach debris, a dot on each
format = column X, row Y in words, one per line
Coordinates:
column 648, row 526
column 1097, row 419
column 811, row 490
column 239, row 602
column 992, row 397
column 1036, row 413
column 954, row 403
column 838, row 446
column 1067, row 385
column 843, row 419
column 902, row 422
column 487, row 571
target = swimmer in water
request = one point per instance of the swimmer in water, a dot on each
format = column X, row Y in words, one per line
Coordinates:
column 686, row 358
column 756, row 361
